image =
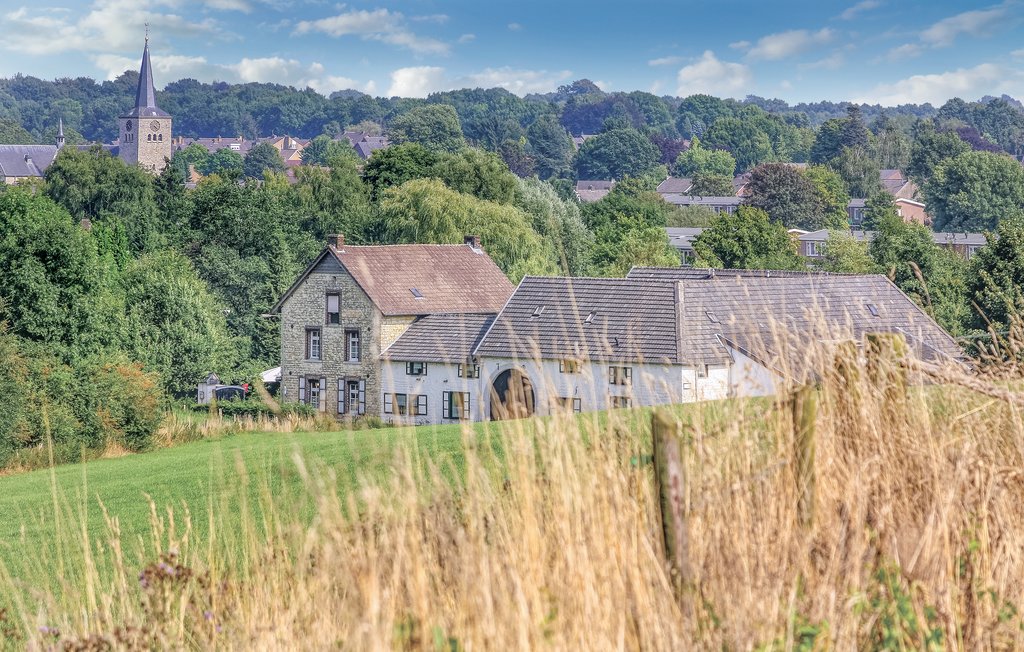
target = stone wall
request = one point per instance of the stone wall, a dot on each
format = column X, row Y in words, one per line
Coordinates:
column 147, row 143
column 306, row 307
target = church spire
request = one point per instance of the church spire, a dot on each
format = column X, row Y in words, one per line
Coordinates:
column 60, row 132
column 145, row 97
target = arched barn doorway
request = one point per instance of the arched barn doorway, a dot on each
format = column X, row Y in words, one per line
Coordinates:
column 512, row 396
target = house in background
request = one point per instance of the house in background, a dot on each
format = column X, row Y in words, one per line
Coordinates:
column 595, row 190
column 812, row 244
column 354, row 302
column 363, row 143
column 681, row 238
column 675, row 186
column 717, row 204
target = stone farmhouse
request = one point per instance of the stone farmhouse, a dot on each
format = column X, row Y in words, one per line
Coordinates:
column 353, row 302
column 428, row 334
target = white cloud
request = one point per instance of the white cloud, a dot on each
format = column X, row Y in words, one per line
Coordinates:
column 514, row 27
column 974, row 23
column 715, row 77
column 108, row 25
column 275, row 70
column 466, row 38
column 966, row 83
column 785, row 44
column 665, row 61
column 377, row 25
column 420, row 81
column 740, row 45
column 905, row 51
column 860, row 7
column 832, row 62
column 230, row 5
column 416, row 81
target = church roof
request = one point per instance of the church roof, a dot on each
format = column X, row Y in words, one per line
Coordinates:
column 25, row 160
column 145, row 96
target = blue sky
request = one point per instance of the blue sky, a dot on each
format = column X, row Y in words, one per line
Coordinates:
column 884, row 51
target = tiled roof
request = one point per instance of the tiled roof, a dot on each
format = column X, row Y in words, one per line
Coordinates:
column 696, row 200
column 592, row 318
column 26, row 160
column 773, row 315
column 682, row 237
column 370, row 144
column 675, row 185
column 448, row 278
column 440, row 338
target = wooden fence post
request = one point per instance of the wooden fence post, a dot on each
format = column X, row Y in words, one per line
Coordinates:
column 804, row 405
column 670, row 478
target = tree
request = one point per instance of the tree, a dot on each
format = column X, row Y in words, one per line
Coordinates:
column 616, row 154
column 476, row 172
column 54, row 288
column 224, row 162
column 828, row 142
column 631, row 243
column 94, row 185
column 426, row 210
column 567, row 240
column 746, row 239
column 550, row 146
column 855, row 132
column 929, row 148
column 712, row 185
column 392, row 166
column 335, row 200
column 12, row 133
column 699, row 161
column 845, row 254
column 934, row 278
column 195, row 156
column 747, row 143
column 323, row 149
column 261, row 159
column 519, row 161
column 996, row 285
column 974, row 190
column 697, row 113
column 787, row 196
column 859, row 171
column 174, row 326
column 833, row 198
column 435, row 126
column 891, row 147
column 878, row 208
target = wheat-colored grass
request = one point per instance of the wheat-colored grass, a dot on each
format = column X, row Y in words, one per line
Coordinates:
column 917, row 542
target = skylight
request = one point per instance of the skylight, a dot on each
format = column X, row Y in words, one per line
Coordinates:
column 537, row 312
column 712, row 316
column 589, row 319
column 416, row 293
column 872, row 308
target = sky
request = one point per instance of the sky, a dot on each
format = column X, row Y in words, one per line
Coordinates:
column 876, row 51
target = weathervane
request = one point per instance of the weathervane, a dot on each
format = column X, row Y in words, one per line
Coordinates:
column 147, row 32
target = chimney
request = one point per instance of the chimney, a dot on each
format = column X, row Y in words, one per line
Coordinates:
column 472, row 240
column 336, row 240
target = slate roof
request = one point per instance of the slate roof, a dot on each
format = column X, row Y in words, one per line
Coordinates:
column 675, row 186
column 440, row 338
column 696, row 200
column 942, row 238
column 590, row 318
column 26, row 160
column 682, row 237
column 370, row 144
column 145, row 95
column 773, row 316
column 447, row 278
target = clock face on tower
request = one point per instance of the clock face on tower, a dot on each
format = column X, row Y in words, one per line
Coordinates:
column 128, row 125
column 154, row 126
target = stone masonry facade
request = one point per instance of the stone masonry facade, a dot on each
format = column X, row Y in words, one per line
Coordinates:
column 146, row 141
column 306, row 309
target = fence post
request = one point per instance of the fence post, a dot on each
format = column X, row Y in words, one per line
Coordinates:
column 670, row 478
column 804, row 404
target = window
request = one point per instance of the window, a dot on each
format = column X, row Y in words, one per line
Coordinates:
column 469, row 371
column 416, row 293
column 333, row 309
column 712, row 317
column 589, row 319
column 312, row 391
column 537, row 312
column 420, row 405
column 620, row 375
column 620, row 402
column 815, row 249
column 357, row 396
column 455, row 405
column 569, row 366
column 160, row 137
column 312, row 343
column 702, row 371
column 566, row 403
column 352, row 346
column 396, row 404
column 415, row 368
column 872, row 308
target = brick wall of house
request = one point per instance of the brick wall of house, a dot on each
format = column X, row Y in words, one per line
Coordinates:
column 306, row 308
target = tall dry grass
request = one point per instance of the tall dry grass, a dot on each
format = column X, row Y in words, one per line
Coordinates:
column 917, row 542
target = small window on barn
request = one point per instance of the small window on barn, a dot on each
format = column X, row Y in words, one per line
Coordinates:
column 873, row 309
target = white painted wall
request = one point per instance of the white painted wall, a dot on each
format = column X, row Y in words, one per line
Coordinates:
column 747, row 377
column 440, row 378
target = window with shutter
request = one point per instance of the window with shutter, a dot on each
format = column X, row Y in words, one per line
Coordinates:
column 421, row 405
column 352, row 352
column 313, row 343
column 362, row 397
column 302, row 390
column 389, row 406
column 446, row 407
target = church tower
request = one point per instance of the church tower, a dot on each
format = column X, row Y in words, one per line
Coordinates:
column 146, row 129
